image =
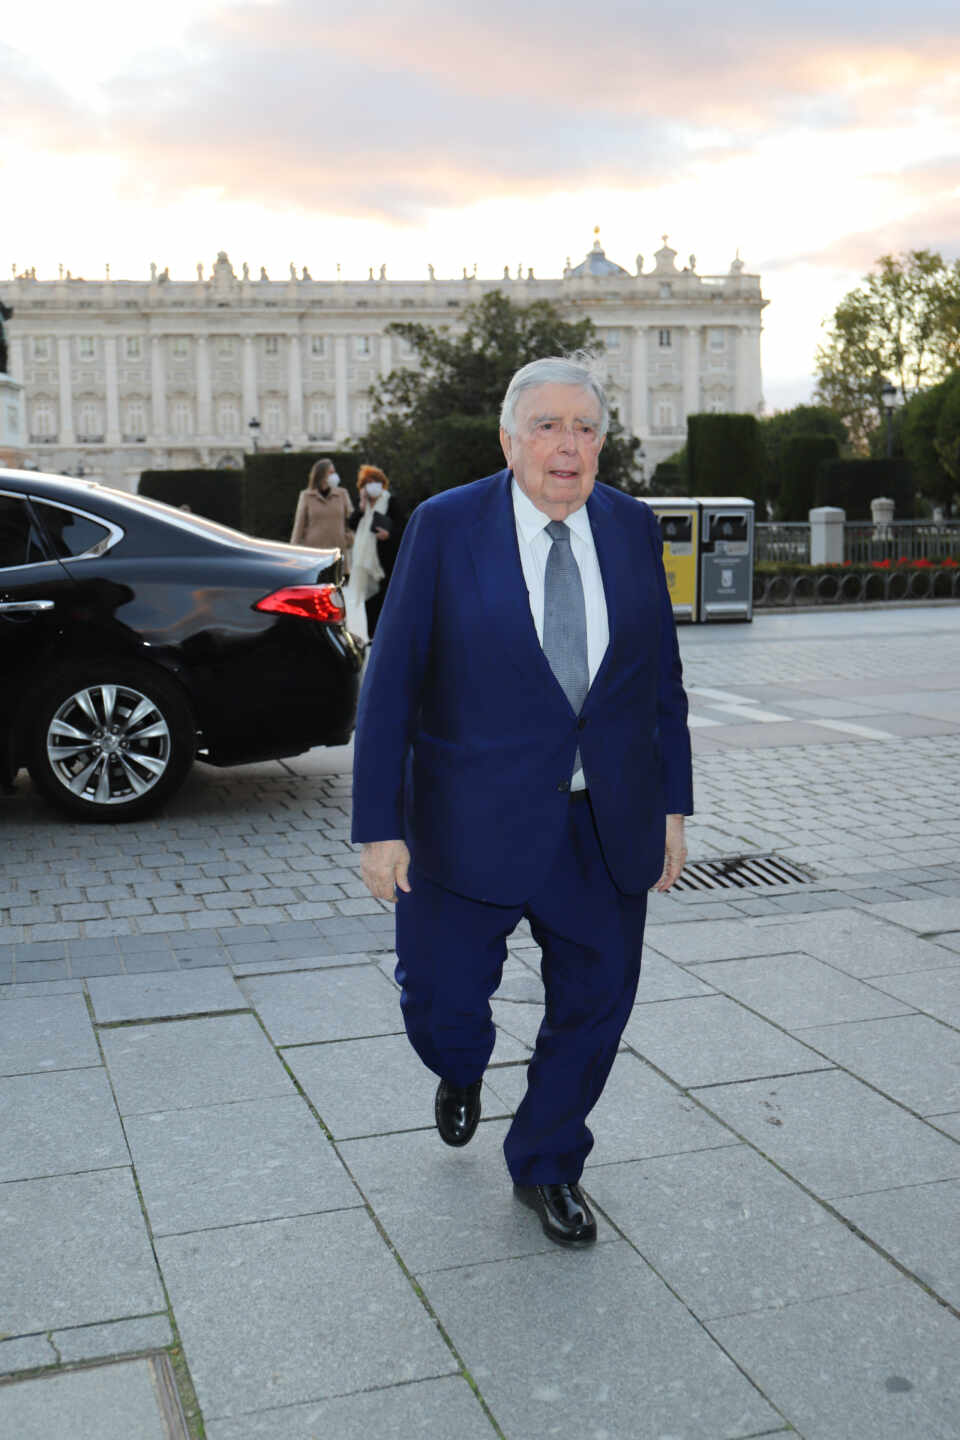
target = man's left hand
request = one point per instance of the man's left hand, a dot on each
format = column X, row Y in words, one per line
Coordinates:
column 676, row 853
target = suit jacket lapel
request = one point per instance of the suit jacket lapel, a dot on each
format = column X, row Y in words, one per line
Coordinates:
column 496, row 558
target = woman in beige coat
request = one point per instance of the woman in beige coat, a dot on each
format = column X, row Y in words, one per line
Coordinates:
column 323, row 510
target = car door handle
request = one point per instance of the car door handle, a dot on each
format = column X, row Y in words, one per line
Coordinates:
column 24, row 607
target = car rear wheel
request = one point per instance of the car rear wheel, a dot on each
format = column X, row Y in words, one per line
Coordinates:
column 110, row 740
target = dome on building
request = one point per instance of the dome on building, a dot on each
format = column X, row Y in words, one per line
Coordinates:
column 595, row 263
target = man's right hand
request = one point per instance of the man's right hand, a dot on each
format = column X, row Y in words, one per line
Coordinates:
column 384, row 868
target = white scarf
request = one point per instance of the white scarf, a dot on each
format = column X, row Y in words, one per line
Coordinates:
column 366, row 572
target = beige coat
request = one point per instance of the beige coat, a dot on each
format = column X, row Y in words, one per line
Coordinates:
column 321, row 520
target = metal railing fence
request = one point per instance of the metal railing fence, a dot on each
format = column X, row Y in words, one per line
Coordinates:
column 788, row 542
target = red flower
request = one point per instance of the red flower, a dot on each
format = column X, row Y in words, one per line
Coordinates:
column 949, row 563
column 880, row 564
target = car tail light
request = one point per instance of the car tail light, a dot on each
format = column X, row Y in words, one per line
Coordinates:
column 310, row 602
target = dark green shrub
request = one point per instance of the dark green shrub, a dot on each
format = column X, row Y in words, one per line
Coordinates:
column 725, row 457
column 215, row 494
column 852, row 484
column 800, row 461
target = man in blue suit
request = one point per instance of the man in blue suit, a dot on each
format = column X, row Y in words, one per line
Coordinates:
column 522, row 750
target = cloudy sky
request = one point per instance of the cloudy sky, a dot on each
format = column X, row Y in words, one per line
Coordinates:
column 813, row 136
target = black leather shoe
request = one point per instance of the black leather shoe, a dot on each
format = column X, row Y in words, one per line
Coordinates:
column 564, row 1214
column 457, row 1110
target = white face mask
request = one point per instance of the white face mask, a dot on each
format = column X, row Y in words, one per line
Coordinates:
column 333, row 479
column 374, row 489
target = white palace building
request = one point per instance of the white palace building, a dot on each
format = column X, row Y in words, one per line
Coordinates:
column 120, row 376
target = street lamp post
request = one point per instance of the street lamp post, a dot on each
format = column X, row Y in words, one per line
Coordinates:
column 892, row 399
column 253, row 426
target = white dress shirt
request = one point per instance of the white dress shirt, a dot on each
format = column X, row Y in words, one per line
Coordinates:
column 534, row 544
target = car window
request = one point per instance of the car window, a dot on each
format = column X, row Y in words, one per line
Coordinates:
column 20, row 544
column 71, row 534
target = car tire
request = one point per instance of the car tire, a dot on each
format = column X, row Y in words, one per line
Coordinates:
column 109, row 740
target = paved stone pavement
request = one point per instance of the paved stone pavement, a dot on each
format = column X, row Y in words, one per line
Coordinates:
column 219, row 1174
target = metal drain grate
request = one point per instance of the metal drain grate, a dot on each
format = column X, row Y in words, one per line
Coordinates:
column 741, row 872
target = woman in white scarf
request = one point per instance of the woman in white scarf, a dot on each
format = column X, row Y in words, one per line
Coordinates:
column 376, row 522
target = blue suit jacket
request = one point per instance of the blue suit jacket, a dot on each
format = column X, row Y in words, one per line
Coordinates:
column 465, row 741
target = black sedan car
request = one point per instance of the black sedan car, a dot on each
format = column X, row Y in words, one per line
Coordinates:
column 135, row 637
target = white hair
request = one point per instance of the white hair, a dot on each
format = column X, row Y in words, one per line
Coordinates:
column 576, row 370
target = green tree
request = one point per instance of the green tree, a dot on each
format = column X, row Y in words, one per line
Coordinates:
column 900, row 325
column 947, row 439
column 918, row 422
column 436, row 425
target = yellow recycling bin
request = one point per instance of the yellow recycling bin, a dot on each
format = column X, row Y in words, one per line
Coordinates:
column 680, row 528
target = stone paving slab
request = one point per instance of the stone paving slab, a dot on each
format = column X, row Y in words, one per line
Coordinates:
column 219, row 1165
column 729, row 1233
column 430, row 1409
column 927, row 917
column 797, row 991
column 712, row 1040
column 834, row 1134
column 935, row 991
column 76, row 1252
column 122, row 1337
column 167, row 994
column 879, row 1364
column 45, row 1032
column 719, row 940
column 639, row 1114
column 610, row 1345
column 911, row 1058
column 314, row 961
column 55, row 1124
column 290, row 1311
column 661, row 979
column 319, row 1005
column 112, row 1402
column 185, row 1063
column 864, row 946
column 917, row 1224
column 371, row 1087
column 467, row 1194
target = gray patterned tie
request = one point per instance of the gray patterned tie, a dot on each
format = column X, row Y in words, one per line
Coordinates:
column 565, row 621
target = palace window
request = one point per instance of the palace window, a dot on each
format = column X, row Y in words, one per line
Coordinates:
column 228, row 421
column 665, row 417
column 44, row 421
column 318, row 345
column 89, row 418
column 665, row 339
column 181, row 347
column 611, row 339
column 182, row 418
column 361, row 345
column 361, row 417
column 717, row 339
column 133, row 349
column 273, row 417
column 225, row 347
column 136, row 417
column 319, row 426
column 41, row 347
column 86, row 347
column 272, row 343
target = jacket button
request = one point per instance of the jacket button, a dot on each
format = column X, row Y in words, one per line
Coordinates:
column 581, row 723
column 564, row 785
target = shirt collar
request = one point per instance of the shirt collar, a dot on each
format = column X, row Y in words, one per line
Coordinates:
column 530, row 520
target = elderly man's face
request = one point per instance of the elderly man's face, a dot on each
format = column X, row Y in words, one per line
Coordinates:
column 557, row 445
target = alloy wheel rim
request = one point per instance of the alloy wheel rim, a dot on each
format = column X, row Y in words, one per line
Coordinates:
column 108, row 744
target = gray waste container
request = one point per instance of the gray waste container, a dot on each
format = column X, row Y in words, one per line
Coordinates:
column 726, row 558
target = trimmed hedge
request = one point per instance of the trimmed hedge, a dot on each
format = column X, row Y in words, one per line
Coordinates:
column 800, row 463
column 725, row 457
column 272, row 481
column 852, row 484
column 214, row 494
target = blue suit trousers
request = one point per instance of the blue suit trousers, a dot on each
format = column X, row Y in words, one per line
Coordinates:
column 451, row 951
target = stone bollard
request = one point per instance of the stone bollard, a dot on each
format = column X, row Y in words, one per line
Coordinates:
column 826, row 535
column 882, row 512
